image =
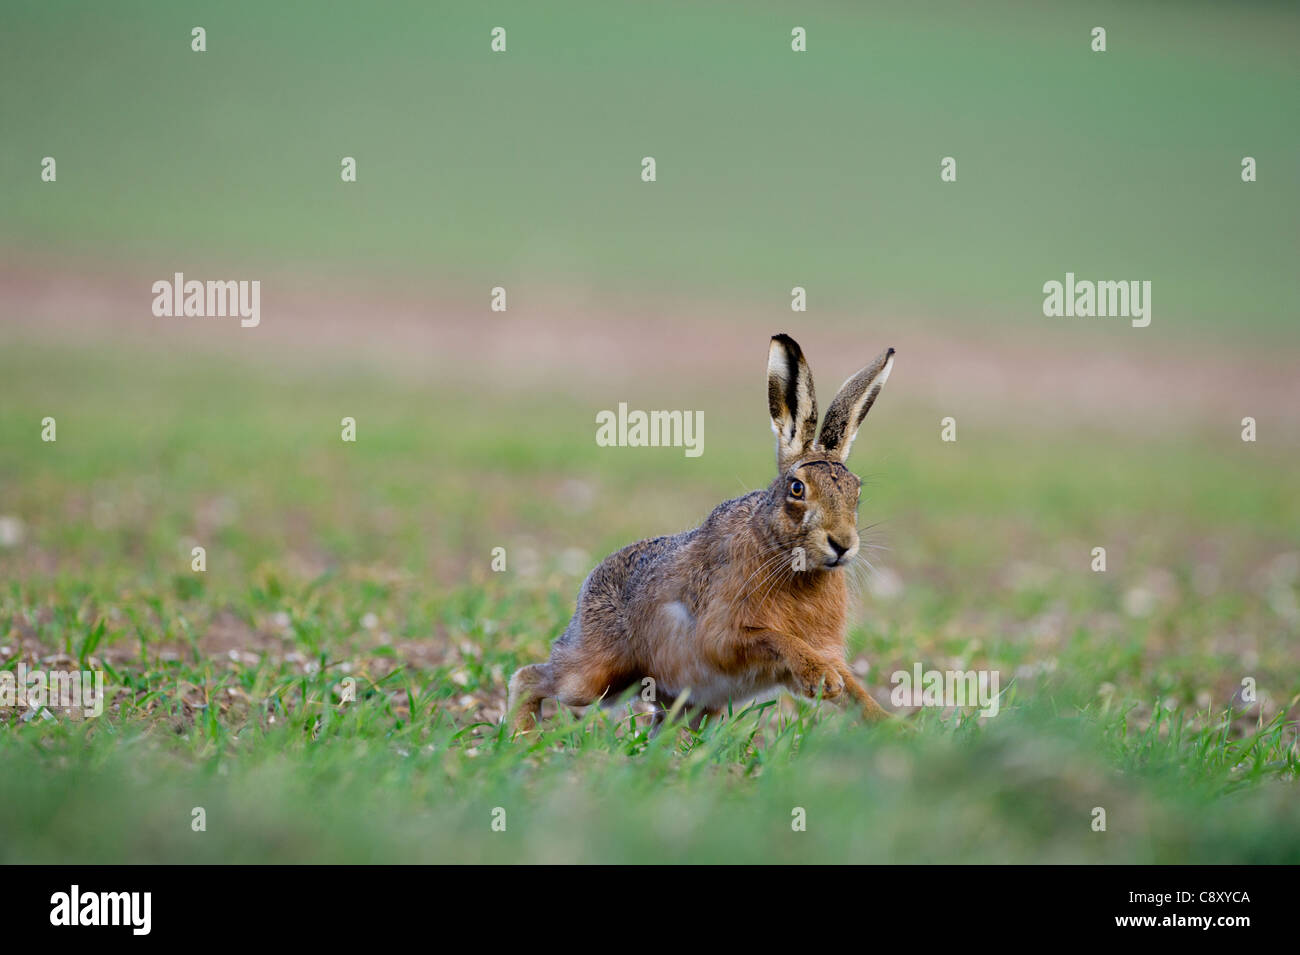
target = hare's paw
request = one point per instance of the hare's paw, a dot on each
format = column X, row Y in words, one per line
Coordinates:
column 822, row 678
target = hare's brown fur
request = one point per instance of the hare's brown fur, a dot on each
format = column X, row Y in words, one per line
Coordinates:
column 725, row 610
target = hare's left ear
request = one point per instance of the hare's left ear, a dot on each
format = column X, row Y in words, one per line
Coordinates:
column 791, row 400
column 850, row 407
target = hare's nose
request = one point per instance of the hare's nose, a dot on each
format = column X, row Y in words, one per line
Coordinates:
column 839, row 548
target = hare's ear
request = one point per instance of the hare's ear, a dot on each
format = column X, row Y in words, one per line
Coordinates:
column 850, row 407
column 791, row 400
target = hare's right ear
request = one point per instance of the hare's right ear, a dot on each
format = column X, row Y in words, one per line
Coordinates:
column 791, row 400
column 851, row 404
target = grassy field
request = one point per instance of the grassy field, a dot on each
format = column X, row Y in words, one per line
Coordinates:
column 370, row 562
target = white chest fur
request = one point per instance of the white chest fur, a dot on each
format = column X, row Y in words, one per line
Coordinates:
column 682, row 662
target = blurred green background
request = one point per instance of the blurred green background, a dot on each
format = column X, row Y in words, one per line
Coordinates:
column 774, row 168
column 475, row 428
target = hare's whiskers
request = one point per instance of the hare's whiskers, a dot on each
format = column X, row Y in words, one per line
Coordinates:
column 774, row 567
column 777, row 553
column 777, row 583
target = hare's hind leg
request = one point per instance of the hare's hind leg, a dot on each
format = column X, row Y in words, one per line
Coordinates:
column 528, row 687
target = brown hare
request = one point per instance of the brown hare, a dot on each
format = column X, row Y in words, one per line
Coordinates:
column 752, row 600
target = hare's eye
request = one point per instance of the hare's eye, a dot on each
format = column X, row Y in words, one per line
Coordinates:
column 796, row 488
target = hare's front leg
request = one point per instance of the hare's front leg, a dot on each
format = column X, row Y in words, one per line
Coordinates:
column 811, row 672
column 808, row 672
column 871, row 711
